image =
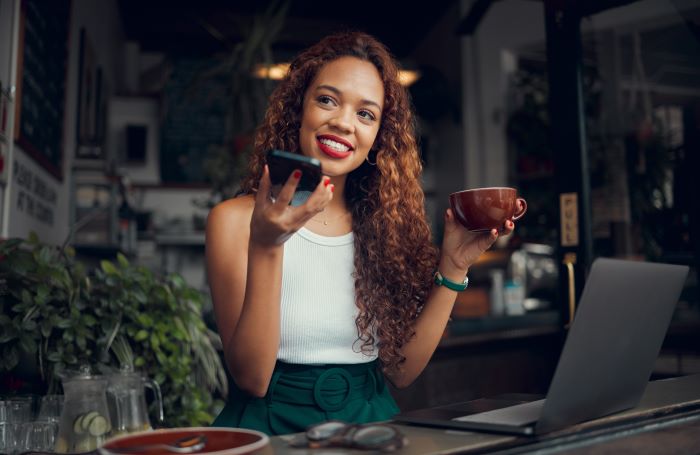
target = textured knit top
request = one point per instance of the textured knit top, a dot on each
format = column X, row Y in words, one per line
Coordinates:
column 318, row 307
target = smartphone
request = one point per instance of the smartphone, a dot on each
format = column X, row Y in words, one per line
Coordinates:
column 282, row 164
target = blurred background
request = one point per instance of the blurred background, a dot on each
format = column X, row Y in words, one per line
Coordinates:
column 124, row 122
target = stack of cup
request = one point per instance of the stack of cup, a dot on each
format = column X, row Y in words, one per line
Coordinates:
column 21, row 432
column 15, row 412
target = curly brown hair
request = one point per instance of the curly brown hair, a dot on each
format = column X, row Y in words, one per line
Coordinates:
column 394, row 253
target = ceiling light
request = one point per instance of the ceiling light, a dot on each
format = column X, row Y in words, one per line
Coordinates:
column 408, row 77
column 274, row 71
column 277, row 71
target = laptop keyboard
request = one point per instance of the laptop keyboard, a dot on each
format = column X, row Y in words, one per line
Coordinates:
column 520, row 414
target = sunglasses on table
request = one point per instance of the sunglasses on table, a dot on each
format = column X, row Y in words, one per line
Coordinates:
column 335, row 433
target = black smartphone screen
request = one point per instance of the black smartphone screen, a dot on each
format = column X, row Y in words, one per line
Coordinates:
column 282, row 164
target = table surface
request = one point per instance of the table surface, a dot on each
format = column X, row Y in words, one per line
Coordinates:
column 668, row 413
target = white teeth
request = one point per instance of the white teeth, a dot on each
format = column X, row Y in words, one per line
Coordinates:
column 334, row 145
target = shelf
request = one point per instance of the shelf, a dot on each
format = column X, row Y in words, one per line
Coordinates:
column 93, row 213
column 488, row 337
column 479, row 330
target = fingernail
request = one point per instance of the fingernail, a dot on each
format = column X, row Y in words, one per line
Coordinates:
column 296, row 174
column 332, row 188
column 326, row 181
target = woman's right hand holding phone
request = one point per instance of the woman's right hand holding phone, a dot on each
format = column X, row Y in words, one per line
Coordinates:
column 274, row 220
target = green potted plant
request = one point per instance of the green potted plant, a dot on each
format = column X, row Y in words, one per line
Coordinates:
column 59, row 314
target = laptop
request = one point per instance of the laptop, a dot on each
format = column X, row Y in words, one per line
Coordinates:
column 606, row 362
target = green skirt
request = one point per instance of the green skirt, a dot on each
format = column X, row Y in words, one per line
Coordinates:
column 301, row 395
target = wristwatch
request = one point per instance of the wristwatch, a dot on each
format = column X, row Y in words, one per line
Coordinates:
column 442, row 281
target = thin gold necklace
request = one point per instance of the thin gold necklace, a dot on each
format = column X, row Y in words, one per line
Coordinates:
column 326, row 222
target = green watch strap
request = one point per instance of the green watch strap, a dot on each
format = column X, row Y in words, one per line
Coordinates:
column 442, row 281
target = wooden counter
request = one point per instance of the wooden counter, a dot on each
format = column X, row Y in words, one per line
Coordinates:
column 666, row 420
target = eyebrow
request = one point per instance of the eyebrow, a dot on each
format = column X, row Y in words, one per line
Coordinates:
column 338, row 92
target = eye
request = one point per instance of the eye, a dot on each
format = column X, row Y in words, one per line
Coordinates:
column 368, row 115
column 326, row 100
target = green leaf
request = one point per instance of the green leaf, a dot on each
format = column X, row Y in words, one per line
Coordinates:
column 70, row 359
column 162, row 358
column 145, row 320
column 140, row 296
column 44, row 256
column 26, row 297
column 46, row 328
column 177, row 281
column 179, row 335
column 42, row 293
column 141, row 335
column 10, row 334
column 54, row 356
column 122, row 260
column 19, row 308
column 64, row 323
column 29, row 325
column 139, row 362
column 155, row 342
column 28, row 344
column 109, row 268
column 58, row 278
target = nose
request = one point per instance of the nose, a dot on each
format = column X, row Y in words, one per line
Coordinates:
column 343, row 122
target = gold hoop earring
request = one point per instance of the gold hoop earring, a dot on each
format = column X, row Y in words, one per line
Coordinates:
column 369, row 162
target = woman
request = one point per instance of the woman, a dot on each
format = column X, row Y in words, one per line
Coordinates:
column 317, row 303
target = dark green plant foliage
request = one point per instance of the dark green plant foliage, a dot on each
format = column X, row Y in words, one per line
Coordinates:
column 53, row 308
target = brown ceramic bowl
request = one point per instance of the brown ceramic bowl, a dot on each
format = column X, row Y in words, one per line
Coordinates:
column 483, row 209
column 219, row 441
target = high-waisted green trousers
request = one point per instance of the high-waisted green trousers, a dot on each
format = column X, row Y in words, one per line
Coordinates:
column 301, row 395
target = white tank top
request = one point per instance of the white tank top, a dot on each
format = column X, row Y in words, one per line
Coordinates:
column 318, row 307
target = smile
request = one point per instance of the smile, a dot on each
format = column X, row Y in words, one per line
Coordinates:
column 334, row 147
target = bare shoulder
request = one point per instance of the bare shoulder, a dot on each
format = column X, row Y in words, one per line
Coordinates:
column 231, row 214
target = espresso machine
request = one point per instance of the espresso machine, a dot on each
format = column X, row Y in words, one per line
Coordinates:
column 533, row 266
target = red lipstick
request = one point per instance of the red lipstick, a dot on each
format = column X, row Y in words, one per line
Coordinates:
column 330, row 151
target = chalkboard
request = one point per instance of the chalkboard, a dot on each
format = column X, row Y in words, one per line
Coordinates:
column 42, row 81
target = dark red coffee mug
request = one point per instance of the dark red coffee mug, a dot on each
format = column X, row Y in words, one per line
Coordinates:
column 483, row 209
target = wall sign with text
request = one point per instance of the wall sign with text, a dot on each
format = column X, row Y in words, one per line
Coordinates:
column 568, row 206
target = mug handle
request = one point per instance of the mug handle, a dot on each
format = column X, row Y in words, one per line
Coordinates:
column 519, row 215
